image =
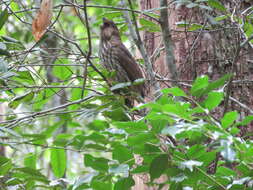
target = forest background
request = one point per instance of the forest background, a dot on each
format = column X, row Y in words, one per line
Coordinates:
column 61, row 127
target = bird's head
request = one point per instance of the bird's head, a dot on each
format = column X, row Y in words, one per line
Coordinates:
column 109, row 30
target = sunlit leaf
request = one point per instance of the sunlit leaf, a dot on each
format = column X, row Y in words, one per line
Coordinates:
column 229, row 119
column 58, row 161
column 213, row 100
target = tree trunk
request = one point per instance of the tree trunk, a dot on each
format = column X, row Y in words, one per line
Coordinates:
column 203, row 52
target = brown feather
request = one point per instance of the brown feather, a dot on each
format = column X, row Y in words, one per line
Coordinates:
column 115, row 56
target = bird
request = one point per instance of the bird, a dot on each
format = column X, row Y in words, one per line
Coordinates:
column 116, row 58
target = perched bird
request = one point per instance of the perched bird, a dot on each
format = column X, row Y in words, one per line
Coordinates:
column 115, row 57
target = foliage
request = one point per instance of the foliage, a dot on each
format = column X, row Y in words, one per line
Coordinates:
column 64, row 134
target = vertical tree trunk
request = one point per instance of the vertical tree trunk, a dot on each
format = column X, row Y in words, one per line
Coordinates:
column 202, row 52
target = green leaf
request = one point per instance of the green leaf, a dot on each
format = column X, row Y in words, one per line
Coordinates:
column 223, row 171
column 194, row 27
column 62, row 72
column 3, row 17
column 202, row 87
column 98, row 125
column 217, row 83
column 30, row 160
column 182, row 24
column 43, row 97
column 5, row 165
column 24, row 77
column 101, row 185
column 217, row 5
column 21, row 99
column 58, row 161
column 139, row 139
column 175, row 91
column 132, row 126
column 229, row 119
column 100, row 164
column 246, row 120
column 124, row 184
column 158, row 165
column 31, row 174
column 149, row 25
column 117, row 114
column 213, row 100
column 121, row 153
column 198, row 85
column 112, row 14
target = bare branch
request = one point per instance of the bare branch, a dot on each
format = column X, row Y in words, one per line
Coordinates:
column 167, row 40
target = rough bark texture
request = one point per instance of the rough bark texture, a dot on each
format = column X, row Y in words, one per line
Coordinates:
column 203, row 53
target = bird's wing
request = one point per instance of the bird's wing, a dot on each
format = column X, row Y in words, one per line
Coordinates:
column 128, row 63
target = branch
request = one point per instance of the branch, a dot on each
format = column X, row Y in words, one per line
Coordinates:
column 90, row 47
column 16, row 121
column 134, row 32
column 167, row 40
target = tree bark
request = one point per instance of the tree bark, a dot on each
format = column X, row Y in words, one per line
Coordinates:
column 202, row 52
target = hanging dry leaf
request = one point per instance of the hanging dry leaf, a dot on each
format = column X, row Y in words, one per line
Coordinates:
column 42, row 19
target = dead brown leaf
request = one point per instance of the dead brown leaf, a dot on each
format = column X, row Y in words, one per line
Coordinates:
column 42, row 19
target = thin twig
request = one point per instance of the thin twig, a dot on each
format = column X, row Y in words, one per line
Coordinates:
column 90, row 47
column 16, row 121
